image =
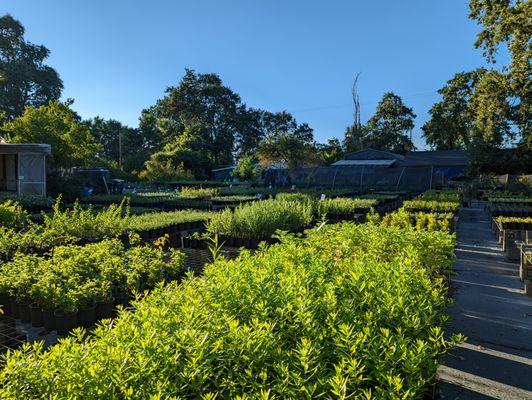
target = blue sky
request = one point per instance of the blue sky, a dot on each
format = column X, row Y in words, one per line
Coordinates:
column 116, row 57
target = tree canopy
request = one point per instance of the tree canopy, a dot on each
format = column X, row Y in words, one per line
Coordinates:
column 389, row 128
column 56, row 124
column 25, row 80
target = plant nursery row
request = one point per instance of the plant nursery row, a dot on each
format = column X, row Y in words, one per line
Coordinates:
column 350, row 311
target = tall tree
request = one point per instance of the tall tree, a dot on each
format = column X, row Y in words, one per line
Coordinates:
column 452, row 122
column 24, row 78
column 56, row 124
column 121, row 145
column 391, row 125
column 286, row 142
column 200, row 112
column 509, row 22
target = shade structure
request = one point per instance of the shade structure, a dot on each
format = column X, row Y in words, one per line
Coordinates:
column 23, row 168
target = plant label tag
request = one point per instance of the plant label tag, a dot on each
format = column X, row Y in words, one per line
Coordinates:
column 322, row 197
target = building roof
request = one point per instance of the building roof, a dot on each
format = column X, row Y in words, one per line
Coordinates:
column 440, row 158
column 15, row 148
column 373, row 163
column 372, row 154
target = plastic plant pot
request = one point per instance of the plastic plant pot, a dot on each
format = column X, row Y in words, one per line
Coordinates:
column 24, row 313
column 104, row 309
column 48, row 320
column 65, row 321
column 36, row 316
column 87, row 315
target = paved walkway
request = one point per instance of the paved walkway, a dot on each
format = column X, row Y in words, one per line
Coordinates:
column 493, row 312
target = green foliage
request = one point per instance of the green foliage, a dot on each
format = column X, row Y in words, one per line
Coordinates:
column 12, row 215
column 55, row 124
column 419, row 221
column 287, row 142
column 25, row 80
column 247, row 169
column 344, row 205
column 198, row 193
column 260, row 219
column 158, row 220
column 349, row 312
column 391, row 125
column 507, row 22
column 434, row 206
column 164, row 170
column 440, row 195
column 72, row 277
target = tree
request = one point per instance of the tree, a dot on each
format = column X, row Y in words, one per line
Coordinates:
column 24, row 78
column 201, row 108
column 452, row 122
column 331, row 151
column 121, row 145
column 55, row 124
column 389, row 128
column 247, row 169
column 286, row 142
column 507, row 22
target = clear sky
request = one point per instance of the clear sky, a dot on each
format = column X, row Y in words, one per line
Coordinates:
column 116, row 57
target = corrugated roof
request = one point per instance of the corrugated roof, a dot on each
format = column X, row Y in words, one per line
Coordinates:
column 375, row 163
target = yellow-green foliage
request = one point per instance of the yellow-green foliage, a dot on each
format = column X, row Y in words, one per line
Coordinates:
column 353, row 311
column 419, row 220
column 198, row 193
column 12, row 215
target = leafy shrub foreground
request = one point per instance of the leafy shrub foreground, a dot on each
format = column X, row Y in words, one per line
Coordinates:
column 349, row 312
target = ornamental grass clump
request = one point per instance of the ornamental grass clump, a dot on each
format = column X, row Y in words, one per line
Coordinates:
column 259, row 220
column 352, row 311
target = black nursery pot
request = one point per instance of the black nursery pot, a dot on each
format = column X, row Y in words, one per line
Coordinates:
column 48, row 320
column 64, row 321
column 6, row 305
column 36, row 316
column 104, row 309
column 24, row 313
column 87, row 315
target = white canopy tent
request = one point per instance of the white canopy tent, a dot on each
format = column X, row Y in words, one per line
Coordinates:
column 23, row 168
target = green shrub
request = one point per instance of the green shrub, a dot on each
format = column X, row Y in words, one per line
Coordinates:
column 12, row 215
column 419, row 220
column 198, row 193
column 345, row 205
column 349, row 312
column 260, row 220
column 75, row 276
column 431, row 206
column 440, row 195
column 164, row 219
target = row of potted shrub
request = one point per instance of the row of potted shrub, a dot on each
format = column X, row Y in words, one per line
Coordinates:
column 431, row 206
column 351, row 311
column 84, row 225
column 418, row 220
column 515, row 223
column 74, row 285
